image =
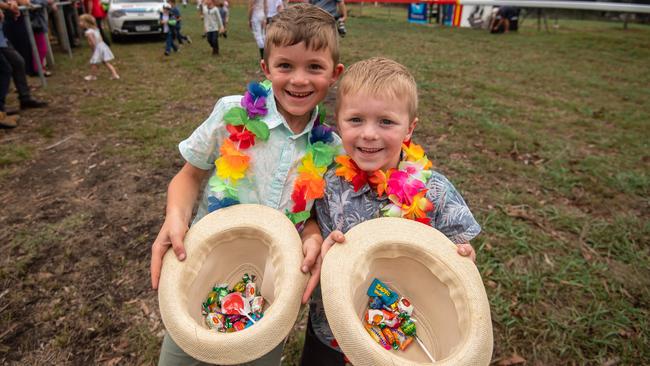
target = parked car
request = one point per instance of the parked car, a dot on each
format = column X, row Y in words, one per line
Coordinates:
column 132, row 17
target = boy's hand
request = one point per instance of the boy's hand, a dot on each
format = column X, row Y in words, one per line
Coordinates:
column 313, row 250
column 171, row 233
column 467, row 250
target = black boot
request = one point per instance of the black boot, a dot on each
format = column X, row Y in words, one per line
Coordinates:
column 261, row 53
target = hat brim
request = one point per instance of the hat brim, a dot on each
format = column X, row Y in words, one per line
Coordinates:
column 220, row 248
column 421, row 264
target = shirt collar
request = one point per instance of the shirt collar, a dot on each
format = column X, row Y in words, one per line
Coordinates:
column 275, row 119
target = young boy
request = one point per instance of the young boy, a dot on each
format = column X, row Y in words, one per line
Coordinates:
column 213, row 24
column 302, row 63
column 168, row 21
column 384, row 174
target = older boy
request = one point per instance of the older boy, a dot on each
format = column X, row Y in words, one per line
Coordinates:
column 302, row 63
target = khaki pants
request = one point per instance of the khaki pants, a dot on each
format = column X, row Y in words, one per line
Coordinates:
column 172, row 355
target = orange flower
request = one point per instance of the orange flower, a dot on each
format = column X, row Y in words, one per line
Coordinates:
column 348, row 169
column 232, row 164
column 314, row 185
column 415, row 152
column 419, row 207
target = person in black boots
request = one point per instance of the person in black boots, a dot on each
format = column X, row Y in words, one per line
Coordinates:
column 17, row 64
column 5, row 77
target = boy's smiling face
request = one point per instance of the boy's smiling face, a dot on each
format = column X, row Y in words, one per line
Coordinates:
column 373, row 129
column 301, row 78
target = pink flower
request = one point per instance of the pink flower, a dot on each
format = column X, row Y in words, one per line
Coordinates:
column 404, row 188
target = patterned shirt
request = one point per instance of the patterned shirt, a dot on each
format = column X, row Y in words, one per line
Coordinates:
column 273, row 165
column 342, row 208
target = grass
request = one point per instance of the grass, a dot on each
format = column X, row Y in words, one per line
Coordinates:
column 545, row 134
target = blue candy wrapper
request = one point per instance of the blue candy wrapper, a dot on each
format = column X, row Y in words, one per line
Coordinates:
column 383, row 292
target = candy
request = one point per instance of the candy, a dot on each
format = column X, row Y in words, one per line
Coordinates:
column 240, row 286
column 239, row 325
column 376, row 334
column 406, row 343
column 377, row 317
column 215, row 321
column 379, row 289
column 250, row 291
column 408, row 327
column 390, row 338
column 405, row 306
column 257, row 305
column 375, row 303
column 234, row 303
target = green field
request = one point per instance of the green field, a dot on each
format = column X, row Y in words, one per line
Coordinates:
column 546, row 134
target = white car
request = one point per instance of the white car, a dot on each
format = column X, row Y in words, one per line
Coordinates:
column 129, row 17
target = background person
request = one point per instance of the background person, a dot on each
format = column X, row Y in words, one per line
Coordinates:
column 6, row 121
column 257, row 10
column 337, row 9
column 95, row 8
column 101, row 52
column 505, row 20
column 17, row 62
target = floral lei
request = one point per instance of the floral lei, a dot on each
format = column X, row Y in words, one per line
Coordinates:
column 245, row 127
column 404, row 186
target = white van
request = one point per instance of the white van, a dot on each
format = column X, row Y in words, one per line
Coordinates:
column 129, row 17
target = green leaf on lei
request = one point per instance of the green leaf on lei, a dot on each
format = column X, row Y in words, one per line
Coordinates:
column 298, row 217
column 322, row 111
column 266, row 84
column 258, row 128
column 217, row 185
column 323, row 154
column 236, row 116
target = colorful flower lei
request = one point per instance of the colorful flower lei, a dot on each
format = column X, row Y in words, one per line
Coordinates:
column 245, row 127
column 404, row 186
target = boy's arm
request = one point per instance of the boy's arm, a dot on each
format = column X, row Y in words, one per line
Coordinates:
column 181, row 196
column 312, row 241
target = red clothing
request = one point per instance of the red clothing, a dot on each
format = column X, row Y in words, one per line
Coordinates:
column 97, row 9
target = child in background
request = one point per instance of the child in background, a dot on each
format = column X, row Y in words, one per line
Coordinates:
column 224, row 11
column 383, row 174
column 168, row 20
column 176, row 29
column 273, row 162
column 257, row 10
column 39, row 26
column 101, row 52
column 213, row 25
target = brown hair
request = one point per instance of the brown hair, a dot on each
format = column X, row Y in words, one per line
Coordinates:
column 303, row 23
column 88, row 20
column 380, row 76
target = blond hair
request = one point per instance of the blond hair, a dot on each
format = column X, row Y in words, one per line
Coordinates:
column 303, row 23
column 88, row 20
column 380, row 76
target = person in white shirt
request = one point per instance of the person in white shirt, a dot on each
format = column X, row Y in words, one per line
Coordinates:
column 213, row 24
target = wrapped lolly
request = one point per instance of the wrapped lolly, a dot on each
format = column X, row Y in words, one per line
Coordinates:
column 222, row 291
column 376, row 334
column 234, row 303
column 402, row 339
column 404, row 306
column 239, row 325
column 390, row 337
column 257, row 304
column 215, row 321
column 377, row 317
column 250, row 291
column 239, row 287
column 408, row 327
column 385, row 294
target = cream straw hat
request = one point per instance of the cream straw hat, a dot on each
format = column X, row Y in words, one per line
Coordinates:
column 220, row 248
column 450, row 304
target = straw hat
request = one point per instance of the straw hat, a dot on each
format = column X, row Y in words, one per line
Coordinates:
column 421, row 264
column 220, row 248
